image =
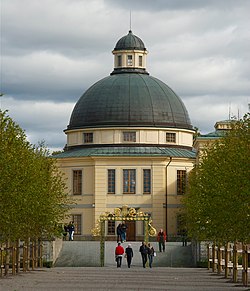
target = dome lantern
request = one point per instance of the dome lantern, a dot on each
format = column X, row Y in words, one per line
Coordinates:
column 129, row 55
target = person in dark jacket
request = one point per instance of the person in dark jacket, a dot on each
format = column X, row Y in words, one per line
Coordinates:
column 129, row 254
column 119, row 232
column 151, row 252
column 144, row 253
column 65, row 231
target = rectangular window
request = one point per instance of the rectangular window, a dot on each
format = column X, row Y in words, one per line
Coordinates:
column 88, row 137
column 181, row 181
column 77, row 182
column 130, row 60
column 111, row 181
column 129, row 136
column 111, row 227
column 146, row 181
column 119, row 61
column 171, row 137
column 77, row 220
column 140, row 61
column 129, row 182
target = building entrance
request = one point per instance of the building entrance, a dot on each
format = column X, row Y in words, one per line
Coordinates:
column 128, row 216
column 131, row 230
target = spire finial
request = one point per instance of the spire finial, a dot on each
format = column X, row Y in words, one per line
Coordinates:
column 130, row 19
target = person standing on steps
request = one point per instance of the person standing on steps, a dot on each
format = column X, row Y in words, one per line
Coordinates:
column 123, row 232
column 129, row 254
column 161, row 238
column 144, row 253
column 151, row 252
column 65, row 231
column 119, row 232
column 71, row 230
column 119, row 251
column 184, row 237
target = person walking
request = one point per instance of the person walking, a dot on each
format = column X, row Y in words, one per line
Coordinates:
column 161, row 238
column 151, row 252
column 119, row 232
column 71, row 230
column 144, row 253
column 119, row 251
column 129, row 254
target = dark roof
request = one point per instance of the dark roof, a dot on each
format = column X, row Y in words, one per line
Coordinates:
column 127, row 151
column 129, row 99
column 130, row 42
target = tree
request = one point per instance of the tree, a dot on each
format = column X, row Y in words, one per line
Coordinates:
column 33, row 200
column 217, row 204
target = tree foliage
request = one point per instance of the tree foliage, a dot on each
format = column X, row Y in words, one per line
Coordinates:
column 218, row 201
column 33, row 200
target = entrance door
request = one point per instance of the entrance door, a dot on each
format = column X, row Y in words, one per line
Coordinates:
column 130, row 230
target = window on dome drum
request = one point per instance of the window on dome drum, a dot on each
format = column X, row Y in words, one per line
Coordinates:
column 171, row 137
column 129, row 182
column 129, row 60
column 111, row 181
column 111, row 227
column 140, row 61
column 77, row 182
column 88, row 137
column 119, row 61
column 129, row 136
column 146, row 181
column 77, row 219
column 181, row 181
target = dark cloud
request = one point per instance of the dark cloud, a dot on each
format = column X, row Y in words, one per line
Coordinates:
column 159, row 5
column 53, row 50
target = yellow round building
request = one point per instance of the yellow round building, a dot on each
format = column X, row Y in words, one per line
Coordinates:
column 129, row 142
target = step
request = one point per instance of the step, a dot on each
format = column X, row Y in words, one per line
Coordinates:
column 87, row 254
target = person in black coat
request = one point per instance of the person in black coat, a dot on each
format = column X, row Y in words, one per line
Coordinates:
column 144, row 253
column 129, row 254
column 119, row 232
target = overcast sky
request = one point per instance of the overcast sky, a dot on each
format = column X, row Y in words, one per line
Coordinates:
column 53, row 50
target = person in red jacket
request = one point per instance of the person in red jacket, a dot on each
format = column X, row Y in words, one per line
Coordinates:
column 119, row 251
column 161, row 238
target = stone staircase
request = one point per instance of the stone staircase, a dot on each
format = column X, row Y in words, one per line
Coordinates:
column 87, row 254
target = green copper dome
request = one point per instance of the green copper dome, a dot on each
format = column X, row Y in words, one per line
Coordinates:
column 130, row 42
column 128, row 100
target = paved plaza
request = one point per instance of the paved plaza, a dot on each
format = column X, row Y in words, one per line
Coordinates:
column 112, row 278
